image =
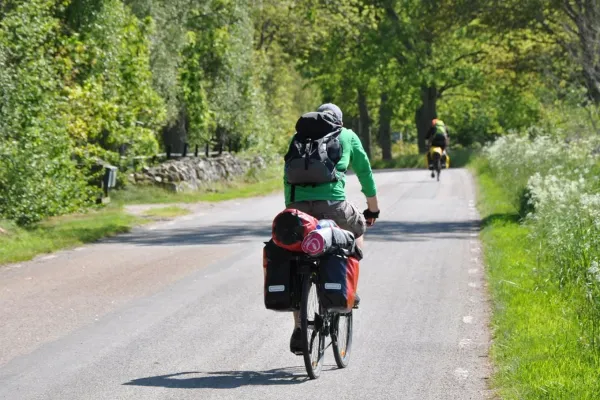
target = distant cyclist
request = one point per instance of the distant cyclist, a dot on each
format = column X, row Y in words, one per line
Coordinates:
column 327, row 197
column 438, row 136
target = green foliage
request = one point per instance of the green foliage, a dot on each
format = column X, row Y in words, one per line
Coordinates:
column 38, row 177
column 111, row 101
column 76, row 85
column 538, row 348
column 83, row 80
column 553, row 185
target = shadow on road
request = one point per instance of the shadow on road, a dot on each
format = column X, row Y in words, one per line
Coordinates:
column 395, row 231
column 249, row 231
column 260, row 231
column 224, row 379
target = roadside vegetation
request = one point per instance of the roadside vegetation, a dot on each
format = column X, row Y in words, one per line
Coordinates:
column 541, row 231
column 24, row 243
column 18, row 243
column 166, row 212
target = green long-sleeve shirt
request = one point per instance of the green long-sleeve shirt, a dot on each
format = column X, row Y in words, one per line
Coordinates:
column 354, row 157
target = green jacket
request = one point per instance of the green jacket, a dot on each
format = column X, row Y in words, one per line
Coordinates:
column 353, row 156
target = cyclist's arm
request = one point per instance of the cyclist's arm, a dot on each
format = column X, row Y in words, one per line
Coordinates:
column 362, row 167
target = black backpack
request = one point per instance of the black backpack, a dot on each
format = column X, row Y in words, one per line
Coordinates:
column 315, row 150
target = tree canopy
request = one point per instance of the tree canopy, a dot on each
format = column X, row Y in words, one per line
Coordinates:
column 83, row 80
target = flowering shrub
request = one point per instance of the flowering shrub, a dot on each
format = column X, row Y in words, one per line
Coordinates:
column 560, row 179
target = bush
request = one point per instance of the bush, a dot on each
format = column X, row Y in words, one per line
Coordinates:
column 75, row 86
column 38, row 177
column 555, row 185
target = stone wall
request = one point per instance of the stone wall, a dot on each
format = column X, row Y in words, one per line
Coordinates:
column 193, row 173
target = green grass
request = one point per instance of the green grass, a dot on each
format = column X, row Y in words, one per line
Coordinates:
column 536, row 349
column 253, row 184
column 166, row 212
column 20, row 244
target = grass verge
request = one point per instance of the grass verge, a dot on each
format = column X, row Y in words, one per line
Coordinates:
column 20, row 244
column 537, row 350
column 166, row 212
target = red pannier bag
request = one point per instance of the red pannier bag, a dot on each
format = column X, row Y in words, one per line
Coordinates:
column 338, row 281
column 290, row 227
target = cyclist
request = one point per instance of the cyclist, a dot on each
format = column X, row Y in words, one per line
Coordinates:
column 439, row 136
column 328, row 200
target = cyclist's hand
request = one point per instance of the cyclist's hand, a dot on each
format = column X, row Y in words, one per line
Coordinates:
column 371, row 216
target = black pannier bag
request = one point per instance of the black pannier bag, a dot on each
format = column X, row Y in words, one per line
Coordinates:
column 280, row 278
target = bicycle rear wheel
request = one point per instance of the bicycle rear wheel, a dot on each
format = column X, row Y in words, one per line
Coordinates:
column 342, row 340
column 311, row 322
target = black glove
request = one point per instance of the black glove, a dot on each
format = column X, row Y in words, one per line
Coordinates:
column 370, row 214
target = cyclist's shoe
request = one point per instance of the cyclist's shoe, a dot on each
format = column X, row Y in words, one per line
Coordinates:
column 296, row 342
column 356, row 301
column 432, row 174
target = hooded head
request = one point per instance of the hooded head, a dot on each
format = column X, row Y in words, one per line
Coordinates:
column 332, row 109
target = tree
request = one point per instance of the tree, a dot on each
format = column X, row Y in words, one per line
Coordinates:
column 38, row 177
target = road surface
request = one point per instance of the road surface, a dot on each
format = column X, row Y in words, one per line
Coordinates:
column 174, row 310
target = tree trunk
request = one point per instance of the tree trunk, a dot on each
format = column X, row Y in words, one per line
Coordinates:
column 352, row 123
column 426, row 113
column 364, row 125
column 385, row 130
column 175, row 135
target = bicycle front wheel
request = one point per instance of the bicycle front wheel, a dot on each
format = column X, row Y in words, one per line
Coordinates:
column 311, row 322
column 342, row 340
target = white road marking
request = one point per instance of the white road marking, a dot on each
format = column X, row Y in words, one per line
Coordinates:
column 473, row 284
column 473, row 270
column 46, row 258
column 464, row 343
column 468, row 319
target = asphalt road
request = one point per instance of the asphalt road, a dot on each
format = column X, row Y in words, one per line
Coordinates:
column 174, row 310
